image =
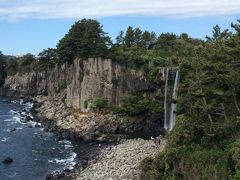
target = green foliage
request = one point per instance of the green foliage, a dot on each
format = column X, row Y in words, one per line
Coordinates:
column 61, row 86
column 12, row 67
column 2, row 69
column 136, row 104
column 115, row 80
column 26, row 63
column 204, row 144
column 85, row 39
column 27, row 60
column 47, row 58
column 85, row 104
column 99, row 104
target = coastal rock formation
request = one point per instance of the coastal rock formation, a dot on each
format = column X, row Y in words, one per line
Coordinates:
column 84, row 81
column 92, row 126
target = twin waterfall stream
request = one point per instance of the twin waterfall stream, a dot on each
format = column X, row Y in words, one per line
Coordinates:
column 170, row 101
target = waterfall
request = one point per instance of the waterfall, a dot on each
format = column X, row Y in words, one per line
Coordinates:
column 172, row 119
column 165, row 99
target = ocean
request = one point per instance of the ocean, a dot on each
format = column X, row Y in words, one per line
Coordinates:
column 35, row 153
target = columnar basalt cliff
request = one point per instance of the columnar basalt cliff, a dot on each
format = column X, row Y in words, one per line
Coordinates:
column 84, row 81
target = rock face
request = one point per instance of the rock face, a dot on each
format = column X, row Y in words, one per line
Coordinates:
column 83, row 82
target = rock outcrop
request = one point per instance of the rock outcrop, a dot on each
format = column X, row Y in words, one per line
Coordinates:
column 76, row 125
column 84, row 81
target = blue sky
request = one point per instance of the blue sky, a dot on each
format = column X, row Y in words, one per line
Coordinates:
column 29, row 27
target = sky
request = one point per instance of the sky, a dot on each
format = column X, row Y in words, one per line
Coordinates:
column 29, row 26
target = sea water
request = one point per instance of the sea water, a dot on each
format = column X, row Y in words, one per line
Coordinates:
column 35, row 153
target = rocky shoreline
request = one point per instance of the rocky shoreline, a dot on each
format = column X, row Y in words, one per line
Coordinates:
column 98, row 141
column 120, row 161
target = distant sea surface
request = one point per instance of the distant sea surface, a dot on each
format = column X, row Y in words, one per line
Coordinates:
column 35, row 153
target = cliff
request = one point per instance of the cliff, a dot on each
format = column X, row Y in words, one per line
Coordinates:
column 82, row 82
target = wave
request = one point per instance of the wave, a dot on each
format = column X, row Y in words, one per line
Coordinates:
column 68, row 162
column 65, row 142
column 32, row 123
column 13, row 112
column 4, row 139
column 12, row 175
column 14, row 120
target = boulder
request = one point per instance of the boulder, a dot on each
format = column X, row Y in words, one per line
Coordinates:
column 102, row 139
column 13, row 129
column 7, row 160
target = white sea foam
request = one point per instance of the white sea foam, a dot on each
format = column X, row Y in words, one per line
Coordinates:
column 51, row 161
column 23, row 113
column 12, row 175
column 17, row 120
column 65, row 142
column 4, row 139
column 68, row 162
column 67, row 146
column 14, row 101
column 12, row 112
column 21, row 101
column 29, row 105
column 14, row 120
column 8, row 120
column 32, row 123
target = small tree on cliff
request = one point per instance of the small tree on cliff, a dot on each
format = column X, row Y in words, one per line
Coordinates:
column 85, row 39
column 2, row 69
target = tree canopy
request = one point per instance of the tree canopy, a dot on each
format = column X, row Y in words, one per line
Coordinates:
column 85, row 39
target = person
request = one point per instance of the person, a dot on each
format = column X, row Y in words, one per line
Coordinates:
column 158, row 142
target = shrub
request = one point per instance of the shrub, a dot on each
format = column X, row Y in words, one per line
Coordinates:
column 85, row 104
column 61, row 86
column 100, row 104
column 137, row 104
column 12, row 67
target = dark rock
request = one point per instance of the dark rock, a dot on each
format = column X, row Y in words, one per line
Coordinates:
column 7, row 160
column 87, row 138
column 102, row 139
column 28, row 118
column 60, row 137
column 67, row 170
column 37, row 125
column 97, row 133
column 8, row 101
column 84, row 163
column 49, row 177
column 12, row 130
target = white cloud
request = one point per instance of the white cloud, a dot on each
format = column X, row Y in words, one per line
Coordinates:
column 59, row 9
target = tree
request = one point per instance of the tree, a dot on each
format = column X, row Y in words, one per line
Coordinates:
column 120, row 38
column 48, row 55
column 2, row 69
column 129, row 37
column 12, row 66
column 137, row 36
column 148, row 39
column 85, row 39
column 27, row 60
